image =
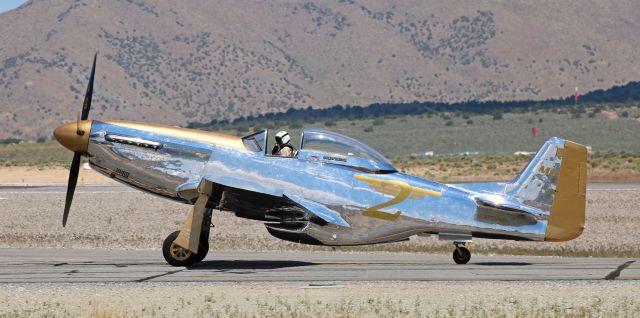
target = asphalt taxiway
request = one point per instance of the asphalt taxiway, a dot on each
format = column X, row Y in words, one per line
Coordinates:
column 100, row 266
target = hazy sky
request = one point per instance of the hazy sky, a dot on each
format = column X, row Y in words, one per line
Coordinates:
column 6, row 5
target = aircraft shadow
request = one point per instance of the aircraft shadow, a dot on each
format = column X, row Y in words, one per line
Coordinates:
column 247, row 265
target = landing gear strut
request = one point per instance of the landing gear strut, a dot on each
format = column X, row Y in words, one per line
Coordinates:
column 191, row 244
column 461, row 255
column 177, row 255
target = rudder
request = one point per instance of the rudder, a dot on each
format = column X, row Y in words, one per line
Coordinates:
column 555, row 181
column 566, row 221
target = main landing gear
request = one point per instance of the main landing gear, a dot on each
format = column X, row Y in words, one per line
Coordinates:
column 177, row 255
column 461, row 255
column 191, row 244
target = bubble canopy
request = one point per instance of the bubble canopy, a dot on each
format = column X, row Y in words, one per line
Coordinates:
column 343, row 150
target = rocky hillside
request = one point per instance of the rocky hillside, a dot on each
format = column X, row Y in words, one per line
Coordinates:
column 193, row 60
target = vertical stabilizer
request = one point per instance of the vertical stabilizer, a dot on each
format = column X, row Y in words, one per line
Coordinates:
column 555, row 181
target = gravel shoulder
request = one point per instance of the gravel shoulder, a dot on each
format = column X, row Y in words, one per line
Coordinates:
column 134, row 220
column 323, row 299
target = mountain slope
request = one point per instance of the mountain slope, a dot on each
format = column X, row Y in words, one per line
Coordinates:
column 194, row 60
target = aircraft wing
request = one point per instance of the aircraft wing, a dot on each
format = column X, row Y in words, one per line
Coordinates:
column 320, row 210
column 261, row 193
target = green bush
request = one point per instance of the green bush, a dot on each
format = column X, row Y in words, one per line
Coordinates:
column 295, row 125
column 9, row 141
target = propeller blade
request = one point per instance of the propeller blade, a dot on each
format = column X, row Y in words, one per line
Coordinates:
column 71, row 186
column 86, row 106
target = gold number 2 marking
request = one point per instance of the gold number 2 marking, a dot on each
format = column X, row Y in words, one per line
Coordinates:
column 399, row 189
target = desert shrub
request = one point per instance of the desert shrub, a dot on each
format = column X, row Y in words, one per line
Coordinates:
column 9, row 141
column 295, row 125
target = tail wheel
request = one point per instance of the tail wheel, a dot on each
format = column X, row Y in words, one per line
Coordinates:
column 178, row 256
column 461, row 255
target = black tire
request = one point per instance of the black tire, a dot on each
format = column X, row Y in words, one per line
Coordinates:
column 461, row 255
column 203, row 250
column 178, row 256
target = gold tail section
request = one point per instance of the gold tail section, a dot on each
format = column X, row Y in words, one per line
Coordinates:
column 566, row 221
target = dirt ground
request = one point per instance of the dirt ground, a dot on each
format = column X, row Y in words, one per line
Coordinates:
column 52, row 174
column 134, row 220
column 507, row 171
column 57, row 174
column 388, row 299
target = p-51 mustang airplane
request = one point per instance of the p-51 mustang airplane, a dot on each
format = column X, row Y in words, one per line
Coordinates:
column 335, row 191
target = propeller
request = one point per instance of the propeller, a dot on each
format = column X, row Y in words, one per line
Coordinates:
column 75, row 163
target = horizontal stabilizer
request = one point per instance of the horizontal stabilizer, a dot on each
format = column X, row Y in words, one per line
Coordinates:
column 502, row 204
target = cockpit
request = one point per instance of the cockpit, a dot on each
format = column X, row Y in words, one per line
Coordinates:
column 325, row 146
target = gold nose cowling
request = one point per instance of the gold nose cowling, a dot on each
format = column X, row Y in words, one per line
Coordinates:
column 74, row 136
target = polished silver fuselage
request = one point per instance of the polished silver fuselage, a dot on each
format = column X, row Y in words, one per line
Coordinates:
column 309, row 199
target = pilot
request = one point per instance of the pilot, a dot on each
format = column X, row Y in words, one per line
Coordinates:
column 282, row 147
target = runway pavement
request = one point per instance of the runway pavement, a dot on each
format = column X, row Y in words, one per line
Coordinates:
column 96, row 266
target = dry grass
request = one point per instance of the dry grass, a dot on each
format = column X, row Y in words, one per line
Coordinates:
column 49, row 153
column 609, row 167
column 391, row 299
column 134, row 220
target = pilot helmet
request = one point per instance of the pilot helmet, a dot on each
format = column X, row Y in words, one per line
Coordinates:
column 282, row 137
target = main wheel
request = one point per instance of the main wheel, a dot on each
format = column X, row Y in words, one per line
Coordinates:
column 461, row 255
column 203, row 249
column 178, row 256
